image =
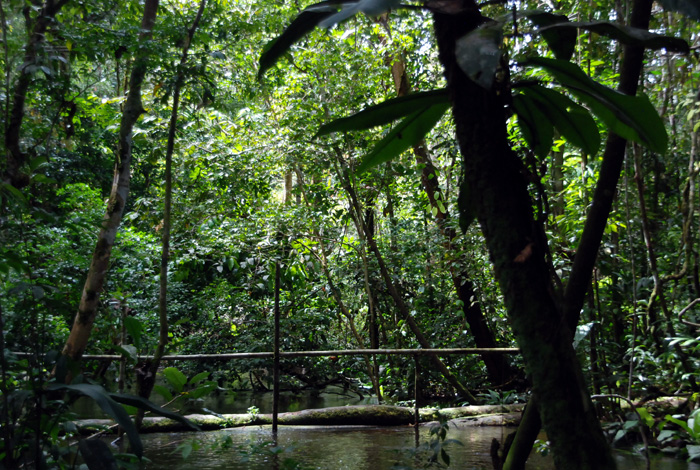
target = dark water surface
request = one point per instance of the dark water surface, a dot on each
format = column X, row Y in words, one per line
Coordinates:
column 343, row 448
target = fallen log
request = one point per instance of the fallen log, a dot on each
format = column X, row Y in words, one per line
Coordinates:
column 359, row 415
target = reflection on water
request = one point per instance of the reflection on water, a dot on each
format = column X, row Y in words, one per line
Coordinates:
column 342, row 448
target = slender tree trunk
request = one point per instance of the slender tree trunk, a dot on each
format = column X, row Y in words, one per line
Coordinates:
column 133, row 108
column 659, row 284
column 288, row 185
column 370, row 363
column 518, row 250
column 394, row 293
column 147, row 380
column 15, row 156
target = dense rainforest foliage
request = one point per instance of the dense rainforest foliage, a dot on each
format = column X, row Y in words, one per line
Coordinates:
column 157, row 170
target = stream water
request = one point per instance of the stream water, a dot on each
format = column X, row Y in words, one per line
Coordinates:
column 329, row 448
column 344, row 448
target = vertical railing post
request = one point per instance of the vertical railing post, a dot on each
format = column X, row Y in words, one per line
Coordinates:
column 276, row 357
column 416, row 394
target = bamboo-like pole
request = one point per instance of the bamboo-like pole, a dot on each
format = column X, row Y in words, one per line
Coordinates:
column 276, row 360
column 342, row 352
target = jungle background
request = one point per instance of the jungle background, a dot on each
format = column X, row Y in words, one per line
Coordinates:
column 228, row 180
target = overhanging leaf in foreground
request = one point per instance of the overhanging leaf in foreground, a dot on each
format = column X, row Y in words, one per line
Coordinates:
column 109, row 406
column 303, row 24
column 625, row 34
column 406, row 134
column 534, row 125
column 631, row 117
column 385, row 112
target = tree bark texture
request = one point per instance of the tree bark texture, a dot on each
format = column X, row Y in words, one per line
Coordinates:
column 517, row 248
column 133, row 108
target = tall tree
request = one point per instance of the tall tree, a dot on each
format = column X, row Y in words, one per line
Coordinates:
column 133, row 108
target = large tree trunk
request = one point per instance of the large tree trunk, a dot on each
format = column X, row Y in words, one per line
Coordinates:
column 517, row 247
column 133, row 108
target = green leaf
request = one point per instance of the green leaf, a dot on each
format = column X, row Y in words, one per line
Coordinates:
column 142, row 403
column 176, row 378
column 203, row 390
column 625, row 34
column 199, row 377
column 646, row 417
column 163, row 392
column 109, row 406
column 678, row 422
column 385, row 112
column 478, row 53
column 129, row 351
column 573, row 121
column 631, row 117
column 134, row 328
column 445, row 456
column 97, row 454
column 534, row 125
column 14, row 193
column 562, row 42
column 693, row 452
column 406, row 134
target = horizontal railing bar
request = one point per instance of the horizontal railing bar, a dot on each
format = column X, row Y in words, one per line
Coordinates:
column 342, row 352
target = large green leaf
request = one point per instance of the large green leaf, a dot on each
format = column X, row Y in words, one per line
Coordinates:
column 304, row 23
column 135, row 328
column 405, row 135
column 631, row 117
column 323, row 14
column 109, row 406
column 385, row 112
column 572, row 120
column 176, row 378
column 624, row 34
column 147, row 405
column 534, row 125
column 97, row 455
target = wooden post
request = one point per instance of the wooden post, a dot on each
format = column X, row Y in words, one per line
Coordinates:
column 416, row 394
column 276, row 360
